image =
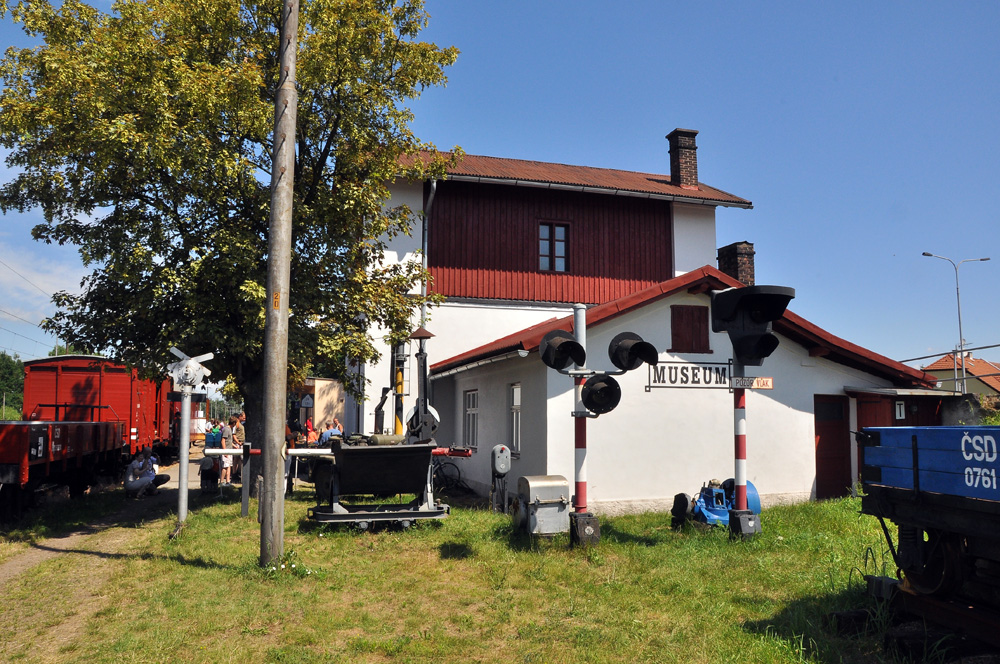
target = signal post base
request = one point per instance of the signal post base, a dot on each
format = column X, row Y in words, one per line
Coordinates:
column 743, row 524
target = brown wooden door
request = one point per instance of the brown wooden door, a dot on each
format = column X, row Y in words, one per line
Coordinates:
column 833, row 446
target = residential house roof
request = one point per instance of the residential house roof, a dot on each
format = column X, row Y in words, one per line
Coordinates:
column 520, row 172
column 979, row 369
column 819, row 342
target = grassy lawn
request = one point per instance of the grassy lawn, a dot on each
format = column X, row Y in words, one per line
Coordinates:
column 466, row 589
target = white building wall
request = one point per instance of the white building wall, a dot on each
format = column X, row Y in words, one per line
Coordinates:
column 458, row 327
column 693, row 237
column 665, row 441
column 493, row 383
column 404, row 248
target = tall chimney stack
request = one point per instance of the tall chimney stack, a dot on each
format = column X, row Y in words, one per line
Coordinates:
column 736, row 260
column 683, row 158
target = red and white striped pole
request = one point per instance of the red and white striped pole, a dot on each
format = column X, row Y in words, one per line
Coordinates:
column 580, row 414
column 740, row 429
column 580, row 449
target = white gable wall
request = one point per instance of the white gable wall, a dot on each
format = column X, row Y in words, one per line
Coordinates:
column 457, row 327
column 693, row 237
column 404, row 248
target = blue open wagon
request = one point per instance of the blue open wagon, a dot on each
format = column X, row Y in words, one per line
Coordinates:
column 939, row 486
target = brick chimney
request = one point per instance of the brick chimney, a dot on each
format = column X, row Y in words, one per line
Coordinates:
column 736, row 260
column 683, row 158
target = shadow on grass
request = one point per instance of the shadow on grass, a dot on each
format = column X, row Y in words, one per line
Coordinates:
column 610, row 533
column 455, row 551
column 113, row 555
column 110, row 508
column 807, row 627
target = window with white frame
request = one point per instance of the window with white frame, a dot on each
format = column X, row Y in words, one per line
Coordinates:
column 470, row 421
column 515, row 419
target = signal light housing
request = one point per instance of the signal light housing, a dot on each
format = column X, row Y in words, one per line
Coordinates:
column 559, row 349
column 747, row 315
column 601, row 394
column 628, row 351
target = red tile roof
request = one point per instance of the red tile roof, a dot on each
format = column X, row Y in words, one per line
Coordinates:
column 500, row 170
column 973, row 367
column 792, row 326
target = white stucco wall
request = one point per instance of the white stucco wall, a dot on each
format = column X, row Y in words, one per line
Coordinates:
column 406, row 247
column 693, row 237
column 661, row 442
column 494, row 424
column 458, row 327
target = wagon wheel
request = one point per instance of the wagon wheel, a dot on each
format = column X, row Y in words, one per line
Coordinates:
column 941, row 573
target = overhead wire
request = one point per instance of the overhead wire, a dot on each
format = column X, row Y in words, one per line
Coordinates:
column 19, row 353
column 26, row 279
column 12, row 315
column 25, row 320
column 17, row 334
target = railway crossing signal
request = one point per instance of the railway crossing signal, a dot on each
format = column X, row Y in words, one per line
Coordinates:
column 747, row 315
column 600, row 392
column 596, row 392
column 559, row 348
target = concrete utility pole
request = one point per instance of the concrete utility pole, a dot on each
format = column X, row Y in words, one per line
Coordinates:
column 279, row 250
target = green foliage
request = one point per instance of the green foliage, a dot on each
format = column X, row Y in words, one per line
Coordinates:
column 990, row 405
column 12, row 385
column 60, row 349
column 145, row 134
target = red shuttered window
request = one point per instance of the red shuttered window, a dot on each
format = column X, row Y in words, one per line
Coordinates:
column 689, row 329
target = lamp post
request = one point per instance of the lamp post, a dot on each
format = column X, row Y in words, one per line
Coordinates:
column 958, row 297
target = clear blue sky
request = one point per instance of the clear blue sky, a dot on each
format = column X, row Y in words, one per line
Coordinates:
column 864, row 133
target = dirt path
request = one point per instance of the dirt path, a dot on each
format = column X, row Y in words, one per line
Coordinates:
column 132, row 512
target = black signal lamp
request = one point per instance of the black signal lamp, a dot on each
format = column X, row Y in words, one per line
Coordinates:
column 627, row 351
column 747, row 315
column 601, row 394
column 559, row 349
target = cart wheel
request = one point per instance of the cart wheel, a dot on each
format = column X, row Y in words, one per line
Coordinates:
column 941, row 573
column 406, row 523
column 362, row 525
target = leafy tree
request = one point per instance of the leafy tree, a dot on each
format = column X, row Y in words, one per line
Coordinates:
column 12, row 385
column 144, row 136
column 66, row 350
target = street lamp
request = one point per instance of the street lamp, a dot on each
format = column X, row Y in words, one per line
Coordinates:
column 958, row 297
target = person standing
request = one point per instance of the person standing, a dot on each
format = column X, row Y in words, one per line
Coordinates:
column 239, row 437
column 227, row 459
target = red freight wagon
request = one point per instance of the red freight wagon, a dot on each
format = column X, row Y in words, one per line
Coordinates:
column 87, row 388
column 55, row 452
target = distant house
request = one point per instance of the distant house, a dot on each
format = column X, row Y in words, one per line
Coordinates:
column 513, row 244
column 981, row 376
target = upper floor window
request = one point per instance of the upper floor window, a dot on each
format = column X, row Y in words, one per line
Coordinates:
column 552, row 241
column 689, row 329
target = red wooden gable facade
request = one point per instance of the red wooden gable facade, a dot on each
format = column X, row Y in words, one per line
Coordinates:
column 484, row 242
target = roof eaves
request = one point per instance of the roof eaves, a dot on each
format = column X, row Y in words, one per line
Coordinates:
column 714, row 200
